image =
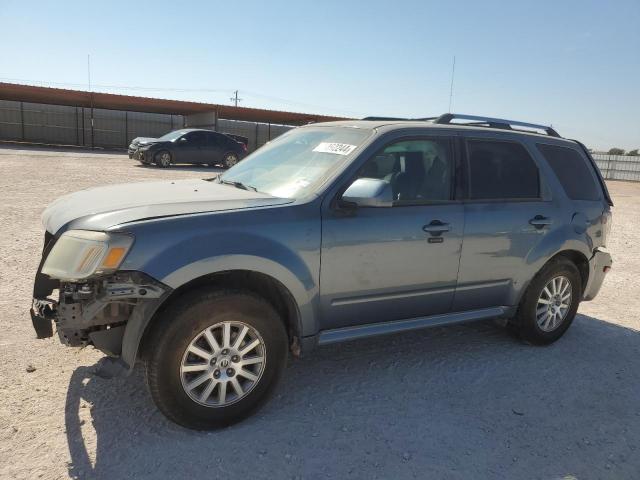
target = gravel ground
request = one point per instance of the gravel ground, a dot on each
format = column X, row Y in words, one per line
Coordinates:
column 458, row 402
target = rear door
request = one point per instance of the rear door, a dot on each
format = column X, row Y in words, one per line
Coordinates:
column 214, row 148
column 508, row 210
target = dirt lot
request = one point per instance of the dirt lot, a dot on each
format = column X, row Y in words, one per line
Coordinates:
column 457, row 402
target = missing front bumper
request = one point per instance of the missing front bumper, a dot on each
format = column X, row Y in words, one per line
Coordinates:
column 96, row 312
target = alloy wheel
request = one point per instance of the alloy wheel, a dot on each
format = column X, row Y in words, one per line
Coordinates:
column 222, row 364
column 165, row 159
column 230, row 160
column 553, row 303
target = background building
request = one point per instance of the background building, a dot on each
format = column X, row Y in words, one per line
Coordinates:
column 90, row 119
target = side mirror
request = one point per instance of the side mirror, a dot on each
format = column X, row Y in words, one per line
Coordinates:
column 183, row 140
column 369, row 192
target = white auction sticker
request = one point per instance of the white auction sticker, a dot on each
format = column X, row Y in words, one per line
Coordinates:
column 336, row 148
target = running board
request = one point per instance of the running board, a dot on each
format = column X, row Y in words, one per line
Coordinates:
column 373, row 329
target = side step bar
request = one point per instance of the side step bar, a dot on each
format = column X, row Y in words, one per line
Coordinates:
column 336, row 335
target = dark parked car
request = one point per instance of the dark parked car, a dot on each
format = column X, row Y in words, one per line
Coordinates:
column 329, row 233
column 188, row 145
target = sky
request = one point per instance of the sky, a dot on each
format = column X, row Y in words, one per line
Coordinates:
column 572, row 64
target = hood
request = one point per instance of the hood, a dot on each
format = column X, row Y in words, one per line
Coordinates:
column 143, row 140
column 104, row 207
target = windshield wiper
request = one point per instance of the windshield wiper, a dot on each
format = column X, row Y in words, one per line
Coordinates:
column 237, row 184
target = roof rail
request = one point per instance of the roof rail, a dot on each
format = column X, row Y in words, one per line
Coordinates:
column 390, row 119
column 493, row 123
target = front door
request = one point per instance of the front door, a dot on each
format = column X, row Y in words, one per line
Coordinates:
column 393, row 263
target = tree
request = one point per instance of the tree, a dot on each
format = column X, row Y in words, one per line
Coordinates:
column 634, row 153
column 616, row 151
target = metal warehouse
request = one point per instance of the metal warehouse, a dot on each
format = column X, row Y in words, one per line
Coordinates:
column 92, row 119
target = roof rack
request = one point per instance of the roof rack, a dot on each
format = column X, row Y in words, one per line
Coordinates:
column 447, row 118
column 475, row 121
column 390, row 119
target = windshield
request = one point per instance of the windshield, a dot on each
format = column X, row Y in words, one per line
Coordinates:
column 169, row 137
column 295, row 163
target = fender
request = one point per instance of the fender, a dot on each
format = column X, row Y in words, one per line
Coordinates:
column 192, row 259
column 303, row 298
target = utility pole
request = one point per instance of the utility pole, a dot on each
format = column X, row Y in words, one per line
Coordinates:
column 235, row 98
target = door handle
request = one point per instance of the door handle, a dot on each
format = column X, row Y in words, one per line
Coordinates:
column 436, row 228
column 540, row 222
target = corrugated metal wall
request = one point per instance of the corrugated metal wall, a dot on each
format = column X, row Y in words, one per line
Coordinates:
column 618, row 167
column 63, row 125
column 257, row 133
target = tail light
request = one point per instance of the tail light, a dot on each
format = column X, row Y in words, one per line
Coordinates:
column 244, row 147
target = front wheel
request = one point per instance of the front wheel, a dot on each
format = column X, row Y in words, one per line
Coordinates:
column 215, row 356
column 230, row 159
column 550, row 303
column 163, row 159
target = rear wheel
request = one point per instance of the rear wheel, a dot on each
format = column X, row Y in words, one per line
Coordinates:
column 230, row 159
column 163, row 159
column 550, row 303
column 215, row 356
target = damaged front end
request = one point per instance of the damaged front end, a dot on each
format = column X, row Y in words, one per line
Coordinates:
column 97, row 310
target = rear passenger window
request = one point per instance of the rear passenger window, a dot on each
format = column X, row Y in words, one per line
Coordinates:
column 501, row 170
column 214, row 140
column 573, row 172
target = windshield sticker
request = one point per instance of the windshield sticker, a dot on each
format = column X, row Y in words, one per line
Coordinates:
column 335, row 148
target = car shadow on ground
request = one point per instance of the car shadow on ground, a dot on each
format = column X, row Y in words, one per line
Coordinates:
column 465, row 401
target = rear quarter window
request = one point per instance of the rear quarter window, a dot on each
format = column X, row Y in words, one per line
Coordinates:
column 573, row 172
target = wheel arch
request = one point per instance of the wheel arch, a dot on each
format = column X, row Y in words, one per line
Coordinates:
column 577, row 257
column 276, row 285
column 263, row 285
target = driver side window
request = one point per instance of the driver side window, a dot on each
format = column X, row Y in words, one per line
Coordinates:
column 419, row 170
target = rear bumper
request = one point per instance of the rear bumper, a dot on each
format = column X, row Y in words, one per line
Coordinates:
column 599, row 264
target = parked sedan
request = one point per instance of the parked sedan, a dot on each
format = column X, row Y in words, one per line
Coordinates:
column 190, row 145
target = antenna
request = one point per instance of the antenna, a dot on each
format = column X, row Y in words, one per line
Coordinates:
column 453, row 72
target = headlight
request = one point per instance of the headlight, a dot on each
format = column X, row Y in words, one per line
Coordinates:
column 79, row 254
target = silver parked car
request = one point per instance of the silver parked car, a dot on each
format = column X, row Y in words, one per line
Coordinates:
column 329, row 233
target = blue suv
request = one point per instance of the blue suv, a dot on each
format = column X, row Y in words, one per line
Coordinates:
column 329, row 233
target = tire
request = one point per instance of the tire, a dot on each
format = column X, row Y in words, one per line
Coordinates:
column 539, row 321
column 163, row 159
column 230, row 159
column 170, row 347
